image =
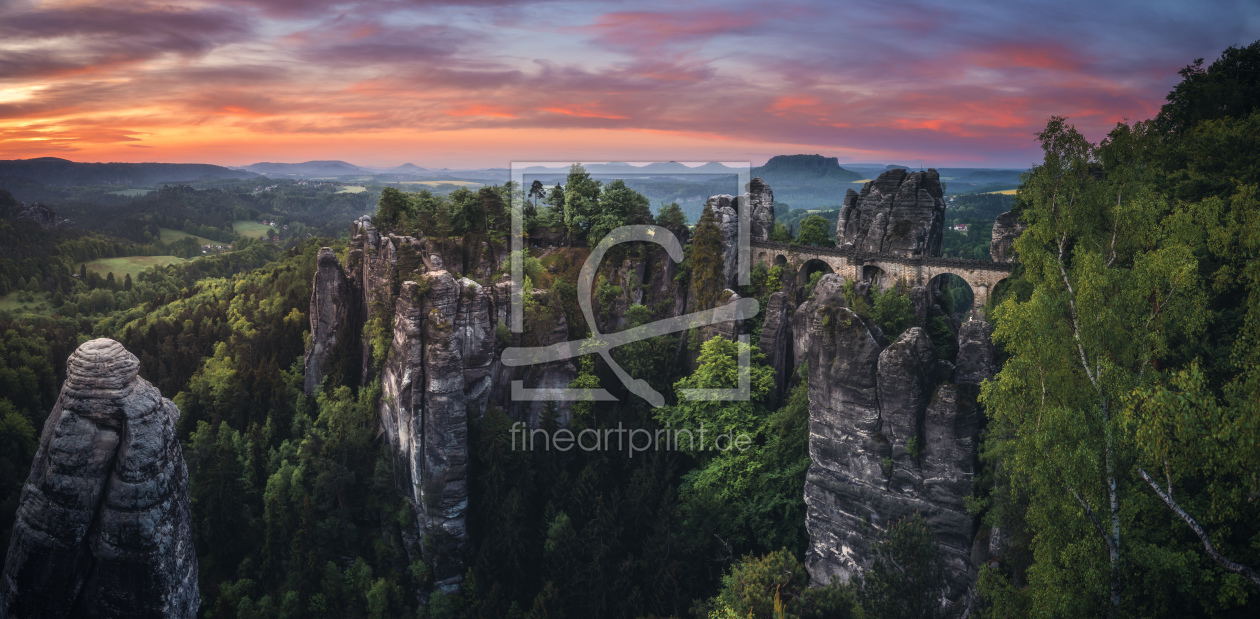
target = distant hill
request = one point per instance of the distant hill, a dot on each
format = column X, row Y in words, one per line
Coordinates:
column 806, row 181
column 54, row 171
column 309, row 169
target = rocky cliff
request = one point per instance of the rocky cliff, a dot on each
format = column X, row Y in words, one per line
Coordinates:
column 44, row 216
column 759, row 200
column 428, row 332
column 893, row 431
column 103, row 526
column 900, row 213
column 1006, row 228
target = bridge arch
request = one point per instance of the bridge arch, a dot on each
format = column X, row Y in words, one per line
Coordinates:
column 876, row 276
column 956, row 294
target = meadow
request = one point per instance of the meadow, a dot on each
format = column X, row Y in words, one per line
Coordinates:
column 170, row 235
column 352, row 189
column 251, row 229
column 130, row 265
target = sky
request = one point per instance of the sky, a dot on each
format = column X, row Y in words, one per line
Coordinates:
column 484, row 83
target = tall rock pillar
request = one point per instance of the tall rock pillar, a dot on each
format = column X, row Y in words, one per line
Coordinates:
column 103, row 526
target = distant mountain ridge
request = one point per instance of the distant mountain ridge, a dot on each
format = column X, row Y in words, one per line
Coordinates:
column 308, row 168
column 806, row 181
column 55, row 171
column 814, row 167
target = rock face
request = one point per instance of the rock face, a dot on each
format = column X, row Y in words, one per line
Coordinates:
column 103, row 524
column 761, row 210
column 759, row 200
column 424, row 411
column 331, row 308
column 776, row 340
column 890, row 435
column 900, row 213
column 439, row 364
column 723, row 207
column 44, row 216
column 1006, row 228
column 975, row 353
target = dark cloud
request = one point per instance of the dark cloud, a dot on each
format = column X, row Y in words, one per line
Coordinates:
column 102, row 37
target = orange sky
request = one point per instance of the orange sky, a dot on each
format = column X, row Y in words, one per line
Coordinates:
column 457, row 85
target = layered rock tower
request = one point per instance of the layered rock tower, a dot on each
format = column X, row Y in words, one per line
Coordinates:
column 103, row 526
column 900, row 213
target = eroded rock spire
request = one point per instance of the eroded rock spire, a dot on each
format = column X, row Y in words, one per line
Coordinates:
column 103, row 525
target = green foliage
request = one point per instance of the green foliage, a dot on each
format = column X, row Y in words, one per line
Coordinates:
column 906, row 580
column 815, row 230
column 583, row 411
column 943, row 337
column 775, row 586
column 531, row 267
column 1115, row 341
column 17, row 447
column 781, row 233
column 707, row 263
column 719, row 369
column 892, row 311
column 606, row 295
column 672, row 218
column 618, row 206
column 392, row 206
column 1228, row 88
column 581, row 201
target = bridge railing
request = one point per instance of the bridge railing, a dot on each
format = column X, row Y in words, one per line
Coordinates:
column 860, row 257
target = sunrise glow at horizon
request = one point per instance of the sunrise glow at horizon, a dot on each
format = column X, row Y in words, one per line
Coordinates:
column 437, row 84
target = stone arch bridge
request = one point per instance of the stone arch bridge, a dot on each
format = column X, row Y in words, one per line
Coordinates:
column 883, row 270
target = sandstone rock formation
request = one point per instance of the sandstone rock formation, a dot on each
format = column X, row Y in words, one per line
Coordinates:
column 1006, row 228
column 758, row 199
column 424, row 413
column 331, row 308
column 890, row 435
column 975, row 353
column 761, row 210
column 44, row 216
column 723, row 207
column 900, row 213
column 103, row 524
column 776, row 341
column 441, row 364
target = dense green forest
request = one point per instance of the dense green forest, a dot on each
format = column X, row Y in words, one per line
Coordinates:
column 1121, row 443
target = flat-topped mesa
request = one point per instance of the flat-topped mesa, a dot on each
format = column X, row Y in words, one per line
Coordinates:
column 900, row 213
column 103, row 524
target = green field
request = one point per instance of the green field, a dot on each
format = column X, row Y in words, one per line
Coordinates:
column 169, row 236
column 352, row 189
column 130, row 265
column 40, row 305
column 251, row 229
column 131, row 192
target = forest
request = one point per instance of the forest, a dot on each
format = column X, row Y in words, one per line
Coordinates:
column 1120, row 437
